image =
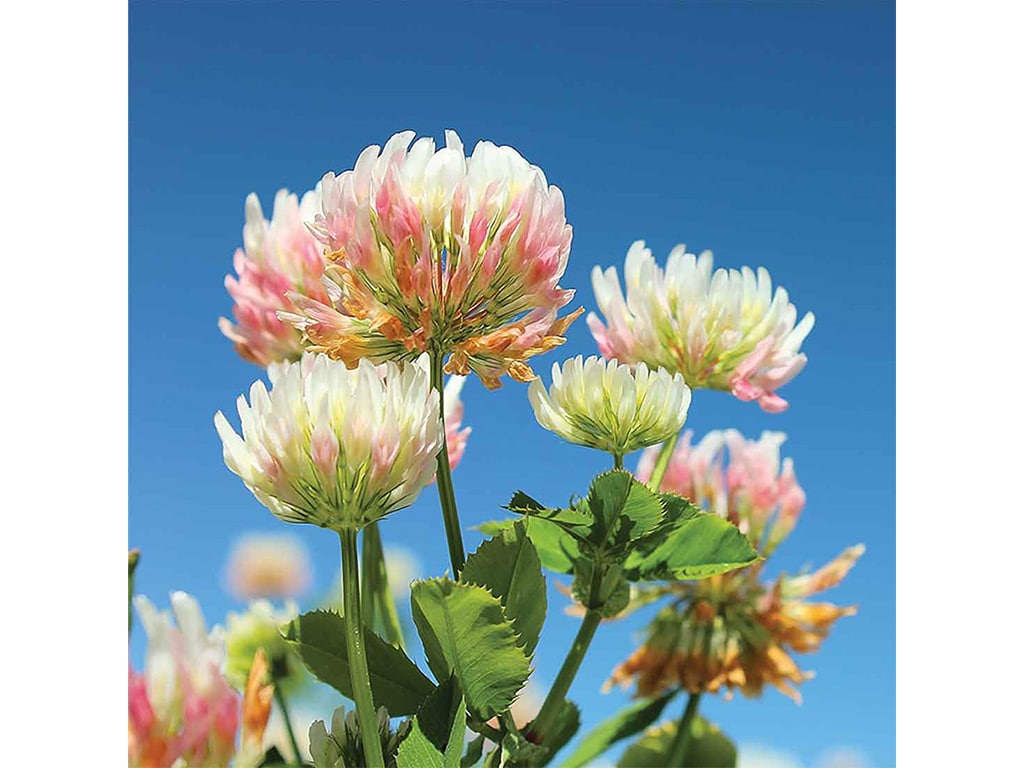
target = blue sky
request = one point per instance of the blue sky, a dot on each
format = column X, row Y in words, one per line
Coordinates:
column 762, row 132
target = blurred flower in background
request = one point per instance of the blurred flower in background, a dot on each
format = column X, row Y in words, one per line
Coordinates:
column 431, row 249
column 268, row 565
column 736, row 630
column 259, row 629
column 723, row 330
column 180, row 707
column 279, row 257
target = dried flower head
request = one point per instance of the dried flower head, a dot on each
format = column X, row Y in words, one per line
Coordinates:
column 737, row 630
column 721, row 330
column 435, row 251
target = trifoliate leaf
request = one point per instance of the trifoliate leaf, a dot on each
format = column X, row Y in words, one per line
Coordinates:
column 620, row 726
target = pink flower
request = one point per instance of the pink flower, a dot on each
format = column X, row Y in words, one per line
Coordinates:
column 180, row 706
column 268, row 565
column 721, row 329
column 280, row 256
column 436, row 250
column 754, row 490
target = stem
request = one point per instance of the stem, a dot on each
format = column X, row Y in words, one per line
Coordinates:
column 684, row 730
column 360, row 673
column 279, row 697
column 661, row 464
column 376, row 590
column 618, row 460
column 445, row 489
column 549, row 711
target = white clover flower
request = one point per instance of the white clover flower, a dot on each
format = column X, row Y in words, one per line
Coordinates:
column 335, row 447
column 723, row 330
column 603, row 404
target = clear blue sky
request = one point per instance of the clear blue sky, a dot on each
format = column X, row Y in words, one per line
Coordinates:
column 764, row 132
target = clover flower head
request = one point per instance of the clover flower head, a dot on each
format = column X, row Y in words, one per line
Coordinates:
column 268, row 565
column 335, row 447
column 434, row 250
column 737, row 630
column 180, row 707
column 604, row 404
column 279, row 257
column 721, row 329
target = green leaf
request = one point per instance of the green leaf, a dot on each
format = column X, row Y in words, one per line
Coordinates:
column 624, row 509
column 442, row 719
column 708, row 747
column 417, row 751
column 565, row 727
column 465, row 632
column 508, row 565
column 474, row 751
column 397, row 683
column 613, row 590
column 620, row 726
column 556, row 548
column 524, row 505
column 690, row 545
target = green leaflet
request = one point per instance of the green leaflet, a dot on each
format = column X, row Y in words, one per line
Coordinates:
column 708, row 748
column 508, row 566
column 438, row 730
column 556, row 548
column 397, row 683
column 624, row 509
column 620, row 726
column 465, row 632
column 565, row 728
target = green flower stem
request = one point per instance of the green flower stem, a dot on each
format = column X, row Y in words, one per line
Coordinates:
column 548, row 715
column 376, row 590
column 684, row 730
column 445, row 489
column 618, row 460
column 361, row 693
column 661, row 464
column 279, row 698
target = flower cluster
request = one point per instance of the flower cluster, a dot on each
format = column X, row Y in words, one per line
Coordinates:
column 435, row 251
column 736, row 630
column 721, row 330
column 280, row 257
column 335, row 447
column 604, row 405
column 181, row 709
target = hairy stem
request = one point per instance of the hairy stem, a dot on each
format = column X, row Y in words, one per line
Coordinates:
column 445, row 488
column 549, row 711
column 361, row 693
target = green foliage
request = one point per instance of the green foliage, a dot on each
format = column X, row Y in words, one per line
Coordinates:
column 622, row 725
column 624, row 509
column 607, row 593
column 508, row 566
column 465, row 632
column 557, row 549
column 397, row 683
column 708, row 748
column 689, row 544
column 417, row 751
